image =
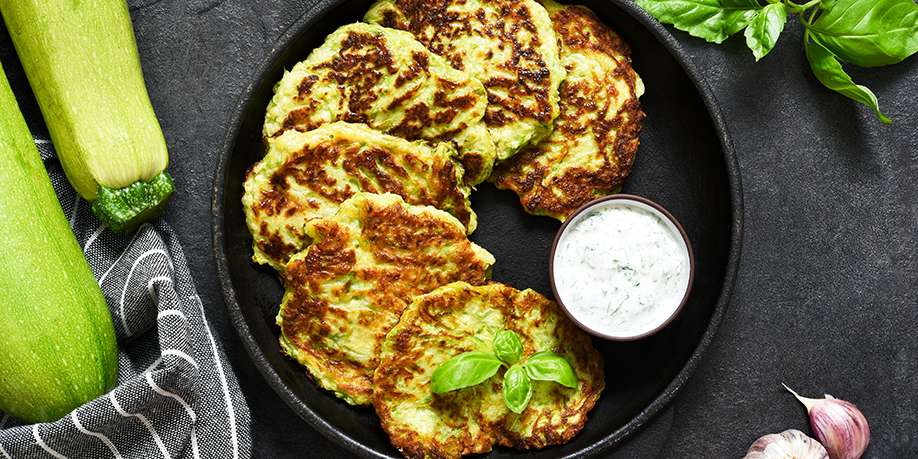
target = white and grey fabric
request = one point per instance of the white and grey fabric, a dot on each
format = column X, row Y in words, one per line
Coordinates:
column 177, row 396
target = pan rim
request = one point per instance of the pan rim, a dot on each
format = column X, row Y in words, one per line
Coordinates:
column 616, row 437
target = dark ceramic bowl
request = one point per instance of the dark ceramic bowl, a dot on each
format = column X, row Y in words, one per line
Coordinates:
column 649, row 205
column 685, row 162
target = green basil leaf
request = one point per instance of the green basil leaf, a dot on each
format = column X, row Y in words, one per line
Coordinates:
column 712, row 20
column 508, row 347
column 829, row 72
column 869, row 33
column 548, row 366
column 464, row 370
column 517, row 389
column 763, row 31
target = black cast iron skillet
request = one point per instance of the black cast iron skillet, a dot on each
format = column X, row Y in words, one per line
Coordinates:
column 686, row 162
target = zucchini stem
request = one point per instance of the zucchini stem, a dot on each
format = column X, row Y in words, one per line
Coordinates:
column 124, row 209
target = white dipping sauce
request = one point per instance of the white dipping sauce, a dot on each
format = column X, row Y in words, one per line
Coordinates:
column 620, row 268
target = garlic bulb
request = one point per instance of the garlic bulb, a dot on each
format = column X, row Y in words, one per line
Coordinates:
column 838, row 424
column 790, row 444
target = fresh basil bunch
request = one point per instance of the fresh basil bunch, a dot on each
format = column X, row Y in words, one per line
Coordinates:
column 473, row 368
column 867, row 33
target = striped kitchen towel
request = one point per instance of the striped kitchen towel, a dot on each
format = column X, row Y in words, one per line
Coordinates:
column 177, row 396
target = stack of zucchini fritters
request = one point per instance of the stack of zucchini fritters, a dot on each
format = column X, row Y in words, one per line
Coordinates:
column 361, row 203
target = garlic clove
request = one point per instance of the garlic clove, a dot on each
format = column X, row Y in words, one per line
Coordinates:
column 838, row 424
column 790, row 444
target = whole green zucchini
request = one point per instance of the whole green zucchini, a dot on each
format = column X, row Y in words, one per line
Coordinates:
column 82, row 63
column 57, row 344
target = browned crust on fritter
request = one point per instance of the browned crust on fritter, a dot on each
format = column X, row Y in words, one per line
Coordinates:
column 362, row 62
column 375, row 170
column 401, row 243
column 420, row 17
column 273, row 245
column 516, row 307
column 473, row 164
column 579, row 29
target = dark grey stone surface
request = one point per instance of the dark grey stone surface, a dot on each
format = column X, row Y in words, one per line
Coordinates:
column 827, row 295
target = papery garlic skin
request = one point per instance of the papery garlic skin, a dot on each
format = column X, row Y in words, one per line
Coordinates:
column 838, row 425
column 790, row 444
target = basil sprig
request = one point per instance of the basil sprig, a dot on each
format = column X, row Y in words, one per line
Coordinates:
column 517, row 388
column 866, row 33
column 508, row 346
column 473, row 368
column 547, row 366
column 713, row 20
column 764, row 29
column 464, row 370
column 828, row 70
column 870, row 33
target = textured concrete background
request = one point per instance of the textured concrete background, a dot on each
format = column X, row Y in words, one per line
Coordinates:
column 827, row 295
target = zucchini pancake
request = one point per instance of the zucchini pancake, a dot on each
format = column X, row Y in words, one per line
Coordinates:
column 458, row 318
column 592, row 148
column 348, row 288
column 306, row 175
column 385, row 78
column 507, row 44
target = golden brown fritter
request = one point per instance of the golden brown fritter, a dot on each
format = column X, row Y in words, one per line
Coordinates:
column 365, row 73
column 459, row 318
column 306, row 175
column 507, row 44
column 363, row 268
column 592, row 148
